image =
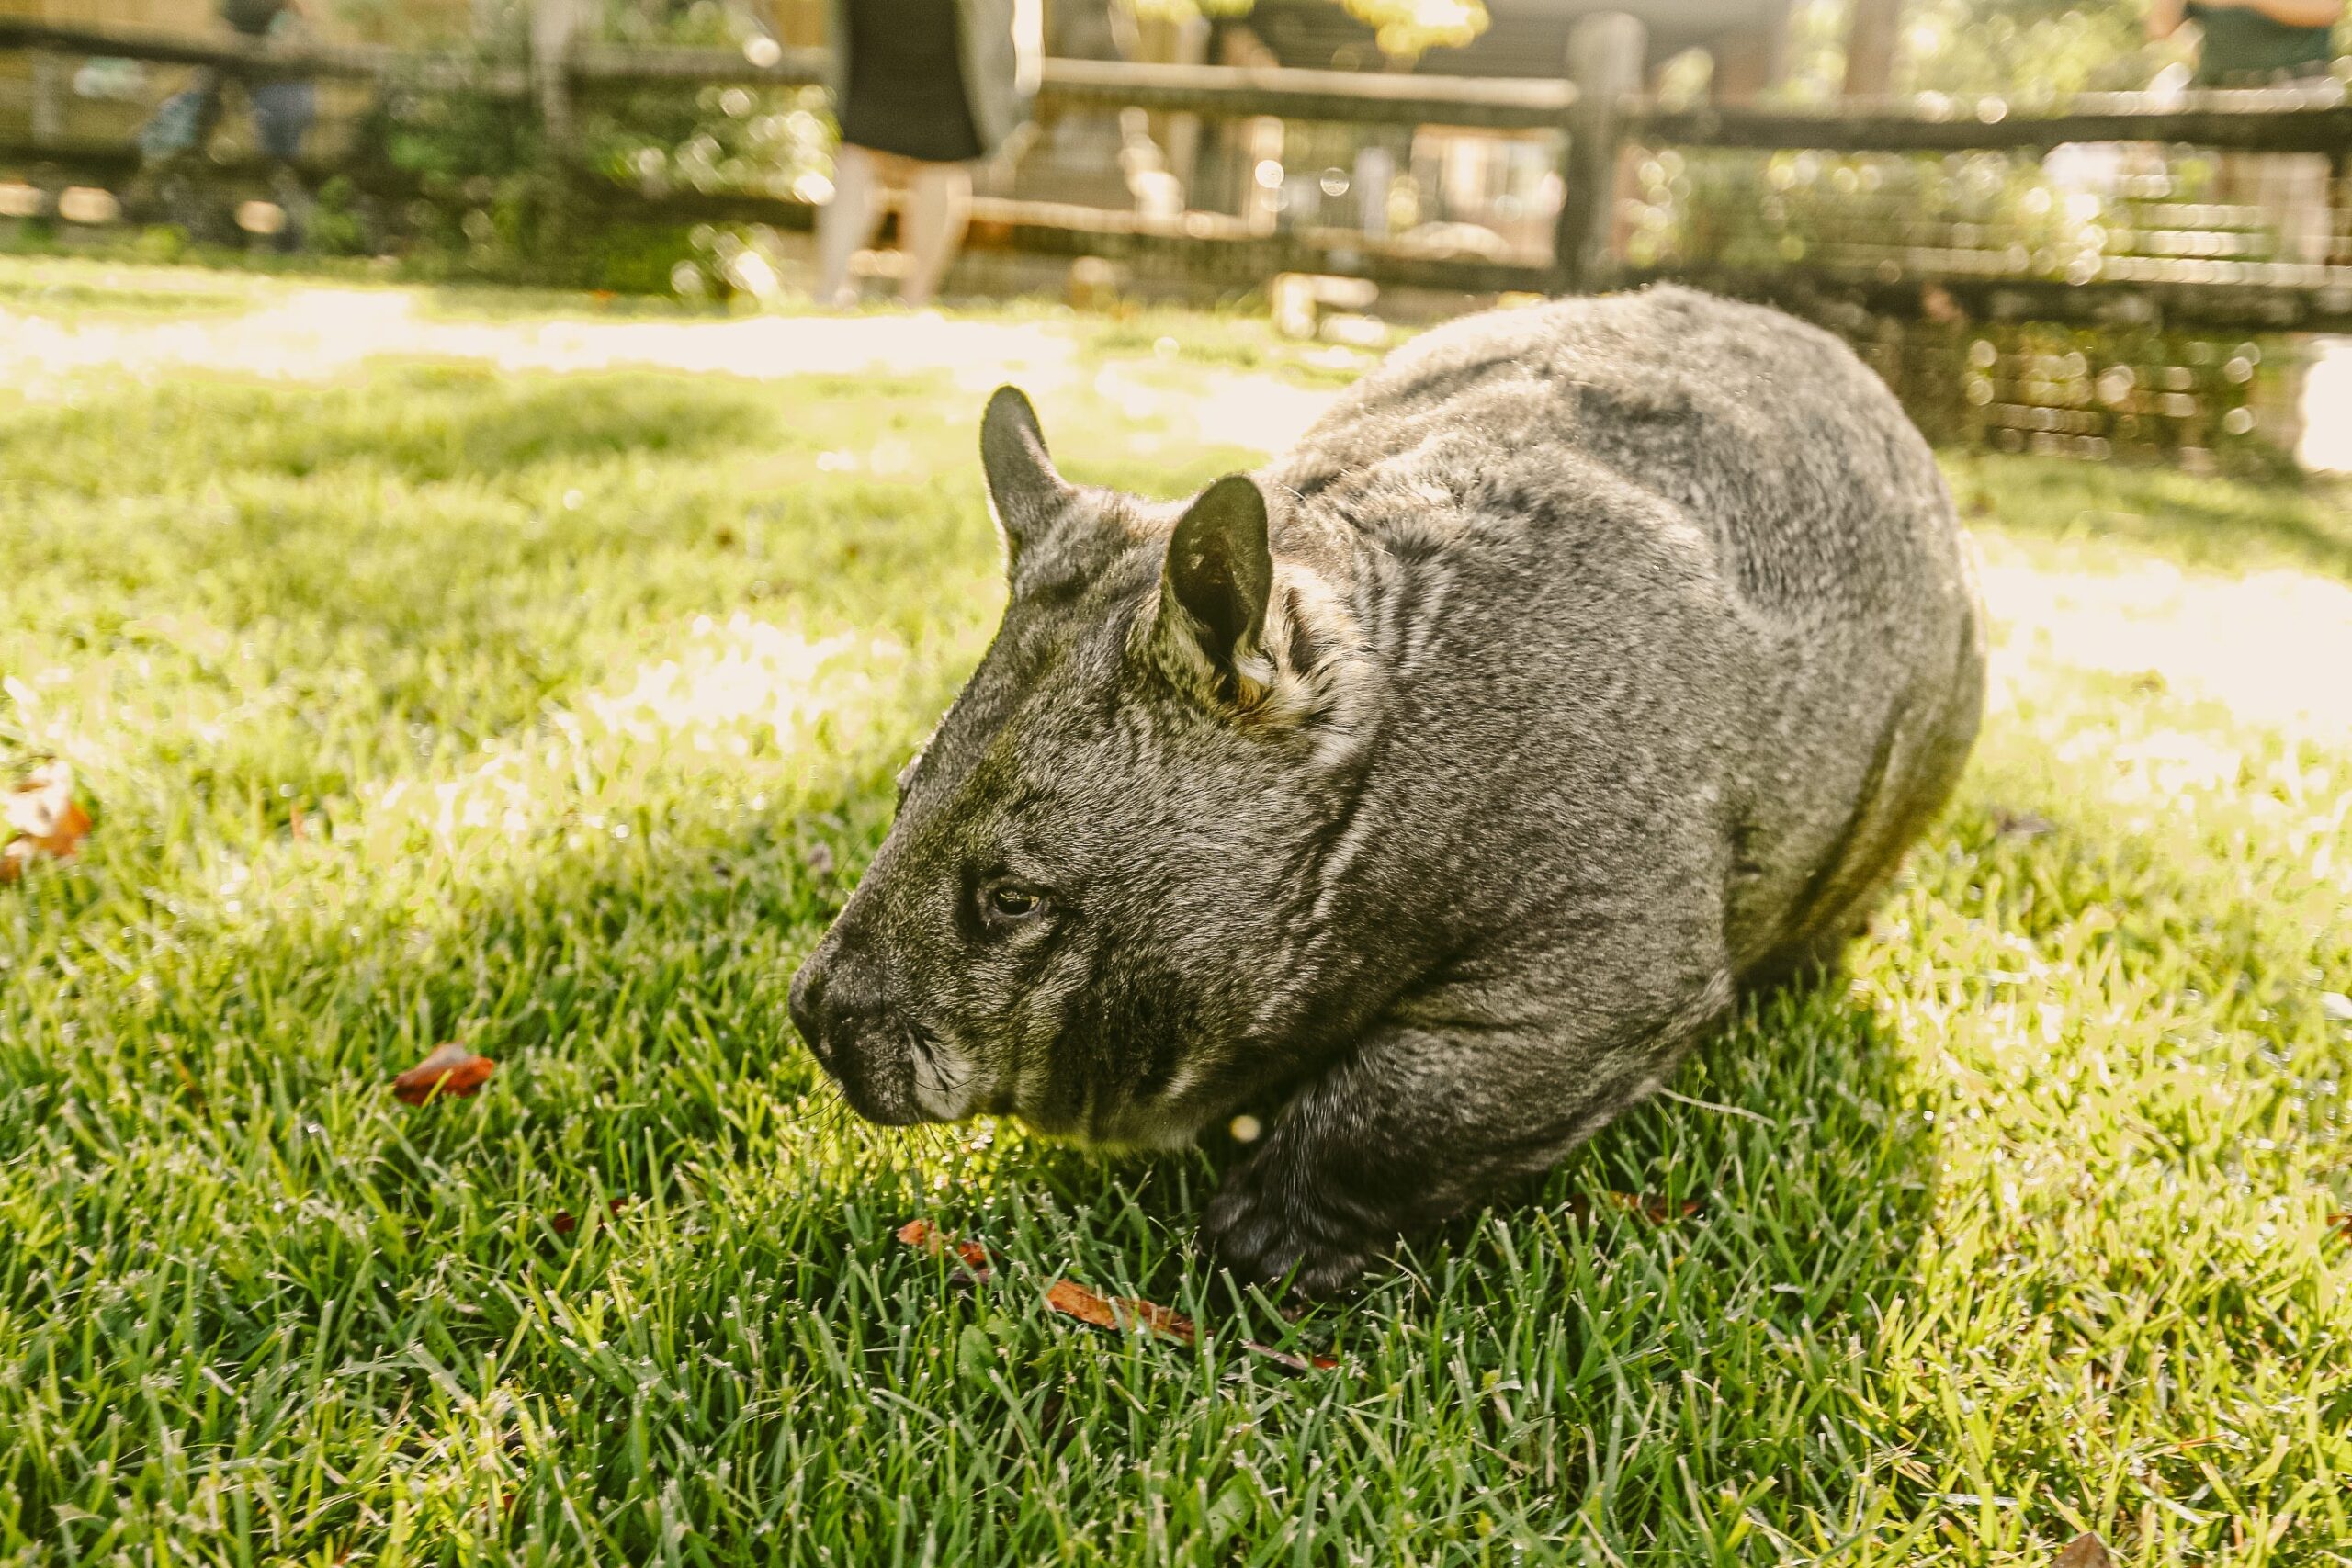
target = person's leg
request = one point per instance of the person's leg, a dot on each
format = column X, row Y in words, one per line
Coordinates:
column 211, row 89
column 939, row 203
column 846, row 222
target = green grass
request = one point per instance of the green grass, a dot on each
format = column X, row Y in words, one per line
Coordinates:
column 554, row 716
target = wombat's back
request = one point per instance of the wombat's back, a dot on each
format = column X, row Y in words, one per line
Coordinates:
column 1717, row 511
column 1813, row 487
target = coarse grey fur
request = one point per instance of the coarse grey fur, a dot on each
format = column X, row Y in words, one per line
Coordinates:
column 1430, row 790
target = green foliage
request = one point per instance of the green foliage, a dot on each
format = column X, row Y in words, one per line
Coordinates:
column 2027, row 49
column 557, row 715
column 1405, row 30
column 490, row 202
column 497, row 203
column 1872, row 217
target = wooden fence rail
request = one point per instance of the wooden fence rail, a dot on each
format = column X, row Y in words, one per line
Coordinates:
column 1590, row 106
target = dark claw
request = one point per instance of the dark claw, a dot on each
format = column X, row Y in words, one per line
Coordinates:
column 1264, row 1235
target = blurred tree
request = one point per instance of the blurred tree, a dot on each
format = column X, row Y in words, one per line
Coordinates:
column 2052, row 47
column 1406, row 29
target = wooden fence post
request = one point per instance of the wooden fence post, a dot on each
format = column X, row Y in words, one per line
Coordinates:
column 1605, row 65
column 554, row 25
column 51, row 79
column 1873, row 33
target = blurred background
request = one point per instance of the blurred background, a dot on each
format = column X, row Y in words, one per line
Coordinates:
column 2074, row 226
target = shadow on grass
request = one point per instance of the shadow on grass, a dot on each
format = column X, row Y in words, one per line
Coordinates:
column 1806, row 1169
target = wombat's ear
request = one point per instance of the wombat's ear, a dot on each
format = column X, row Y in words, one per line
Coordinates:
column 1219, row 576
column 1023, row 490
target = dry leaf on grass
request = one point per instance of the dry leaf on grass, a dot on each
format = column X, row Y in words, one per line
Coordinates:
column 44, row 821
column 1649, row 1206
column 932, row 1239
column 452, row 1072
column 565, row 1224
column 1124, row 1311
column 1073, row 1299
column 2085, row 1550
column 1295, row 1362
column 1107, row 1312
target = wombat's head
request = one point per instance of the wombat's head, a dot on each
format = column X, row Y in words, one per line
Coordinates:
column 1097, row 906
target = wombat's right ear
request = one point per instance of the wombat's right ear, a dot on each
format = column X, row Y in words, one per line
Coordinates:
column 1023, row 490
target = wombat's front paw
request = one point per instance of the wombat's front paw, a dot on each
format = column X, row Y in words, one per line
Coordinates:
column 1267, row 1229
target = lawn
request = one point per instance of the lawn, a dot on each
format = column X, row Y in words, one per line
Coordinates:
column 551, row 713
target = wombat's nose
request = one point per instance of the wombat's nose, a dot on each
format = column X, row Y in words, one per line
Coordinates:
column 833, row 993
column 840, row 1004
column 808, row 1005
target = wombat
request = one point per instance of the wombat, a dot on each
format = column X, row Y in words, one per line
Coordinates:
column 1430, row 791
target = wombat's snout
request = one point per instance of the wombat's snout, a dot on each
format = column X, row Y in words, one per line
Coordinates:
column 839, row 1006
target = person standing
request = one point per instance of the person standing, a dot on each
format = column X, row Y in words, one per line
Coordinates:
column 283, row 106
column 2254, row 43
column 923, row 89
column 181, row 129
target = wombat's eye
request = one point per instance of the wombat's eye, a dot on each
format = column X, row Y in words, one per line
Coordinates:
column 1009, row 901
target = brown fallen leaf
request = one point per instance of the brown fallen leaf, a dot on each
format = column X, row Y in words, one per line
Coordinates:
column 1074, row 1299
column 2343, row 1224
column 451, row 1072
column 2085, row 1550
column 932, row 1239
column 1295, row 1362
column 565, row 1224
column 1107, row 1312
column 1649, row 1206
column 44, row 820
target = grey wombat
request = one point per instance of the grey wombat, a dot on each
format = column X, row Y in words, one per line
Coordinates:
column 1439, row 785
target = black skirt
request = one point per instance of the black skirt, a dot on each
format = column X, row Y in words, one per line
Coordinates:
column 906, row 82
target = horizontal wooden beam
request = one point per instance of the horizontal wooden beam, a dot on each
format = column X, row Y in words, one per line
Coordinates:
column 1361, row 97
column 2300, row 118
column 1220, row 248
column 2322, row 306
column 1212, row 91
column 2314, row 116
column 114, row 164
column 256, row 57
column 619, row 65
column 1215, row 248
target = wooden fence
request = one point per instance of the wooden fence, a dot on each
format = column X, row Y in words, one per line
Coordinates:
column 1592, row 106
